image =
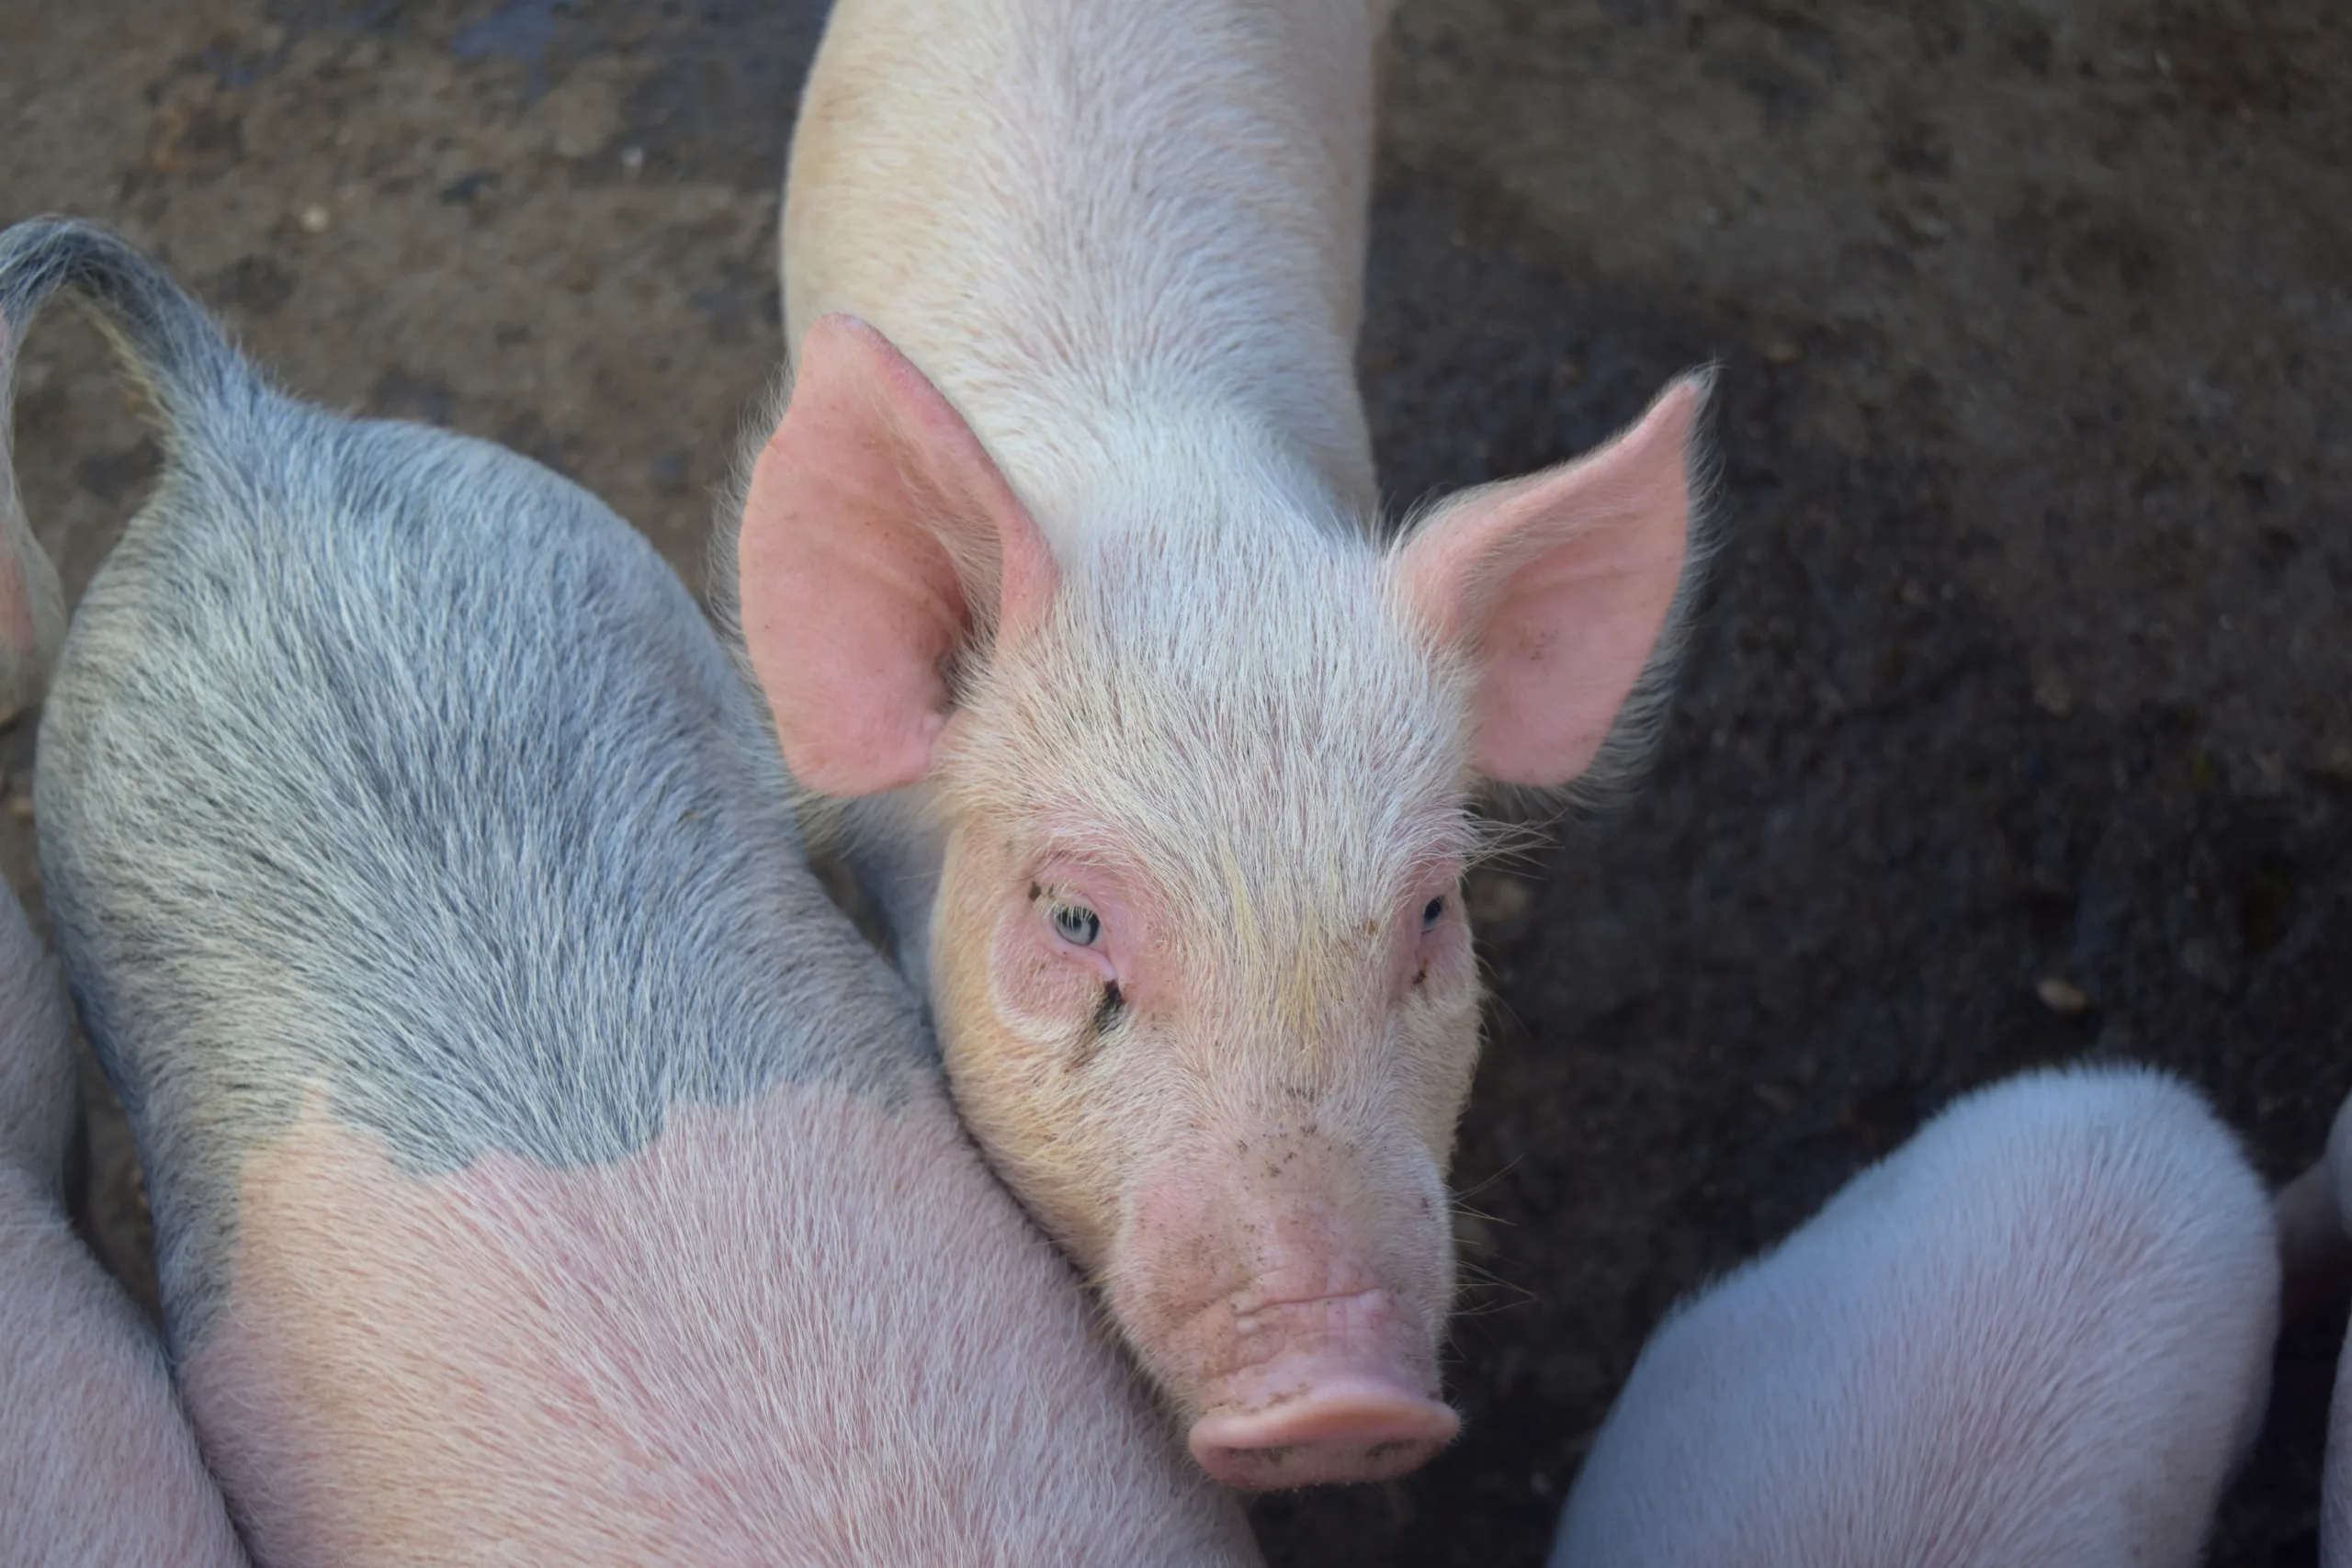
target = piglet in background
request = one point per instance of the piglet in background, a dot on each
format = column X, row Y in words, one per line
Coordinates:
column 97, row 1462
column 2039, row 1335
column 1067, row 548
column 543, row 1169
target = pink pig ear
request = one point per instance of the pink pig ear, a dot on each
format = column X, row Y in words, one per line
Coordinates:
column 879, row 538
column 1560, row 583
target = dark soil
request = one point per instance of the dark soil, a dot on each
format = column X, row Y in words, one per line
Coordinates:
column 2021, row 659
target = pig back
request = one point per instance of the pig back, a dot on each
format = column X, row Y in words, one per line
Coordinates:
column 386, row 767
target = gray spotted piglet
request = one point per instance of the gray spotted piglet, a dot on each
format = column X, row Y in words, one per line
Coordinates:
column 543, row 1169
column 2038, row 1336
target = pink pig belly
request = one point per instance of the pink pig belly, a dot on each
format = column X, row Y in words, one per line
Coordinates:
column 808, row 1329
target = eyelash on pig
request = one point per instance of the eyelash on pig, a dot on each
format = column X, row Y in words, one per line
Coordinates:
column 1076, row 924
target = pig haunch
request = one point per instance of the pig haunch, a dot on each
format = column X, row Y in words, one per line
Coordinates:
column 2038, row 1334
column 543, row 1169
column 1065, row 551
column 97, row 1465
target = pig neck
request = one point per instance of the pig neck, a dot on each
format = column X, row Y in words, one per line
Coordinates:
column 1126, row 241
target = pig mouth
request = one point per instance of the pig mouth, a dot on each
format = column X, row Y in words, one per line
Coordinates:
column 1327, row 1388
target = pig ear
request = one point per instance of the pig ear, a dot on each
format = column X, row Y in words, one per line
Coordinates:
column 1560, row 584
column 877, row 540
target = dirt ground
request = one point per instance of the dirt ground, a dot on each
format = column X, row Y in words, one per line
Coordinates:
column 2022, row 659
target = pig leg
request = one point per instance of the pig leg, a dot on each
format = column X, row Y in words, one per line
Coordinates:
column 2038, row 1334
column 97, row 1462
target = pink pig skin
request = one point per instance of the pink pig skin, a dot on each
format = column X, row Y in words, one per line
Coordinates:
column 808, row 1329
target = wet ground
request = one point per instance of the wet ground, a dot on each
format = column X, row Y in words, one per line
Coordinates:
column 2022, row 661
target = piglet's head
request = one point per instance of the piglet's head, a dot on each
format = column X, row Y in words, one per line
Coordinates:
column 1202, row 973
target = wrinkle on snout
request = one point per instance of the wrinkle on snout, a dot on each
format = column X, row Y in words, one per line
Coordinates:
column 1266, row 1328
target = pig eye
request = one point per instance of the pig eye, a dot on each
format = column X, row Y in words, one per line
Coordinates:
column 1433, row 912
column 1077, row 924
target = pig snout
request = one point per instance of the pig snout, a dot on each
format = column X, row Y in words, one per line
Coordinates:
column 1346, row 1393
column 1291, row 1304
